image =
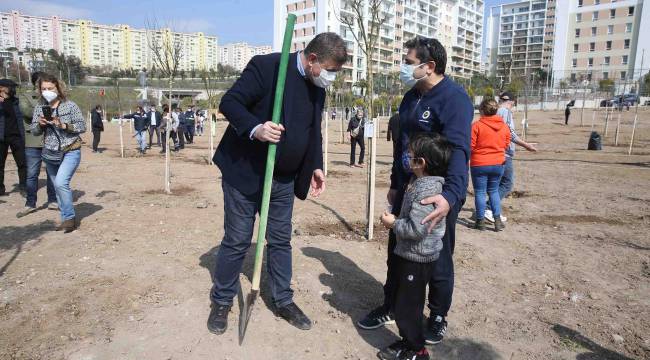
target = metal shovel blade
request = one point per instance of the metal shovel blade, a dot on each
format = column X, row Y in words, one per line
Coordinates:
column 245, row 314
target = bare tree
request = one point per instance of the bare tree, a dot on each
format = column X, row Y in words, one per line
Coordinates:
column 166, row 53
column 364, row 19
column 207, row 77
column 365, row 30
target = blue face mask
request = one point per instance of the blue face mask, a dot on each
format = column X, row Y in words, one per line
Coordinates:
column 406, row 74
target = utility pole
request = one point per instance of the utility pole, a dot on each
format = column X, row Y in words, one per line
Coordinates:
column 584, row 98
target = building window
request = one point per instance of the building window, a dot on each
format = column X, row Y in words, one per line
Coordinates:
column 626, row 44
column 578, row 17
column 579, row 3
column 606, row 62
column 592, row 46
column 608, row 45
column 596, row 2
column 623, row 75
column 594, row 16
column 628, row 27
column 575, row 48
column 605, row 75
column 612, row 13
column 610, row 29
column 574, row 62
column 624, row 60
column 630, row 11
column 577, row 33
column 593, row 31
column 589, row 77
column 590, row 62
column 573, row 77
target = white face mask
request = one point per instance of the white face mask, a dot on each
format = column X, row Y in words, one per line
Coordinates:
column 325, row 79
column 406, row 74
column 49, row 95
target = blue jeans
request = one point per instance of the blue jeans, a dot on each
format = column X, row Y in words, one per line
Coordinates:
column 239, row 220
column 34, row 161
column 507, row 179
column 141, row 136
column 485, row 180
column 60, row 175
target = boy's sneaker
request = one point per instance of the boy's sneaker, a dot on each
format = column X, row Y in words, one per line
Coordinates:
column 413, row 355
column 480, row 225
column 499, row 225
column 436, row 329
column 391, row 352
column 53, row 205
column 376, row 319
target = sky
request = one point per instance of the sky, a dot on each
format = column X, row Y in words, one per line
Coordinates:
column 230, row 20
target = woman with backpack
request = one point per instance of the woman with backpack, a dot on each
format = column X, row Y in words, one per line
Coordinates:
column 355, row 133
column 62, row 122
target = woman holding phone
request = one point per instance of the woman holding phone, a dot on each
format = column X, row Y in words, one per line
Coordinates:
column 61, row 121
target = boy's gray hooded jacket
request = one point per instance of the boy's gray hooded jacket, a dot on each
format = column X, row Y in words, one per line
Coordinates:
column 414, row 242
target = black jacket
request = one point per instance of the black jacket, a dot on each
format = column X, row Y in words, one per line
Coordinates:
column 158, row 118
column 5, row 113
column 96, row 121
column 139, row 121
column 248, row 103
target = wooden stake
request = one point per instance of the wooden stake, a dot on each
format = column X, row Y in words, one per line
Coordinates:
column 210, row 113
column 629, row 152
column 121, row 140
column 618, row 125
column 326, row 142
column 371, row 180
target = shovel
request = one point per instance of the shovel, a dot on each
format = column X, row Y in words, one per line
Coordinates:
column 249, row 301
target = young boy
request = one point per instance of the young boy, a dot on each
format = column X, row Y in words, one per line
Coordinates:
column 417, row 248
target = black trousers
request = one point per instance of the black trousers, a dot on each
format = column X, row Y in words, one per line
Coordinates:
column 154, row 129
column 180, row 132
column 17, row 146
column 566, row 118
column 353, row 147
column 412, row 279
column 441, row 282
column 97, row 135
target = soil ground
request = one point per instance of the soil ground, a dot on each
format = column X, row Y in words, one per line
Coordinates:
column 569, row 278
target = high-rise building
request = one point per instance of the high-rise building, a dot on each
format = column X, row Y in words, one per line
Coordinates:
column 239, row 54
column 602, row 40
column 457, row 24
column 112, row 46
column 520, row 38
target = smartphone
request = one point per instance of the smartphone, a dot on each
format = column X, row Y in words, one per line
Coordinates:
column 47, row 112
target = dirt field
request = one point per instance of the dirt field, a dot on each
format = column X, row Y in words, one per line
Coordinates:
column 568, row 279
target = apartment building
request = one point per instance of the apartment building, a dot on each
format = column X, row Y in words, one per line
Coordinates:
column 520, row 38
column 457, row 24
column 112, row 46
column 602, row 40
column 239, row 54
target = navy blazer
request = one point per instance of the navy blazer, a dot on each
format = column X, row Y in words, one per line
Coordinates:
column 248, row 103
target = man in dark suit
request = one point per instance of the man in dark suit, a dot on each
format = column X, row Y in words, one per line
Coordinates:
column 241, row 157
column 154, row 118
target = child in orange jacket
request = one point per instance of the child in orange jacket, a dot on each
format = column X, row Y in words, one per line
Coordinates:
column 490, row 139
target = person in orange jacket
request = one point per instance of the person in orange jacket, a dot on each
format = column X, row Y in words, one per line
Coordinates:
column 490, row 139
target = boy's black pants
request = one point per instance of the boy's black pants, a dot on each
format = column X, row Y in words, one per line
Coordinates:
column 441, row 282
column 412, row 279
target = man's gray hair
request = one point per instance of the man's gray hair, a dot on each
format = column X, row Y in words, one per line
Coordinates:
column 328, row 46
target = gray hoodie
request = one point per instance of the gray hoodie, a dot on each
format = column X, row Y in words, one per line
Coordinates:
column 414, row 242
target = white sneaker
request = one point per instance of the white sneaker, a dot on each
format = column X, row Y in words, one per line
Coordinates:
column 489, row 216
column 53, row 206
column 26, row 211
